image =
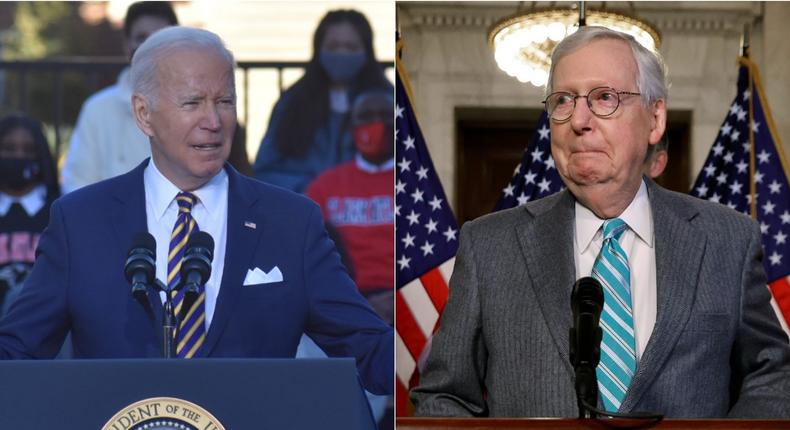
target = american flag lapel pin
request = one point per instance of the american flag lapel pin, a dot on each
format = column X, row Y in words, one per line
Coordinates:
column 249, row 224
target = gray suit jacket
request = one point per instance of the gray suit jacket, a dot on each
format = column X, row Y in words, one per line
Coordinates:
column 716, row 350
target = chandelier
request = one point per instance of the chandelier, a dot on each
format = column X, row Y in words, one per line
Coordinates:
column 523, row 43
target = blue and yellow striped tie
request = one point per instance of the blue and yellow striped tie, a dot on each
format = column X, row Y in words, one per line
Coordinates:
column 618, row 347
column 191, row 330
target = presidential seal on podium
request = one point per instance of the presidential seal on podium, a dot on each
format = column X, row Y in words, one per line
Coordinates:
column 163, row 413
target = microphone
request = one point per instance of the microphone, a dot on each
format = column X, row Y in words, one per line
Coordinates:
column 585, row 341
column 585, row 347
column 140, row 267
column 196, row 267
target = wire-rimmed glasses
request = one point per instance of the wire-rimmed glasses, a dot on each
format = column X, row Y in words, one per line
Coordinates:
column 602, row 101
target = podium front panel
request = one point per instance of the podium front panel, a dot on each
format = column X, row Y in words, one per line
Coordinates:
column 239, row 393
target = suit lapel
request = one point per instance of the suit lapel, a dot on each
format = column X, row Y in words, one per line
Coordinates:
column 242, row 240
column 129, row 217
column 547, row 247
column 679, row 248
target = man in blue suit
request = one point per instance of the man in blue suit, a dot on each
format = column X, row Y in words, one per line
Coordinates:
column 275, row 273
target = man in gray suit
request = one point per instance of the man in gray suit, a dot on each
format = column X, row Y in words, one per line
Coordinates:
column 688, row 326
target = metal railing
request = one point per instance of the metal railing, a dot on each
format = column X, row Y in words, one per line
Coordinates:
column 93, row 69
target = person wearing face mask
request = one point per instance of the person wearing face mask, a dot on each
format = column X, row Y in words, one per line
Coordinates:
column 309, row 131
column 28, row 185
column 356, row 199
column 358, row 206
column 106, row 141
column 274, row 275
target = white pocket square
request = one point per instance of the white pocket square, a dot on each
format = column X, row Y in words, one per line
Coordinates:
column 258, row 276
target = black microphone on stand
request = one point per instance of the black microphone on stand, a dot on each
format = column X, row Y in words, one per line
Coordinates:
column 140, row 271
column 585, row 342
column 140, row 268
column 195, row 268
column 585, row 347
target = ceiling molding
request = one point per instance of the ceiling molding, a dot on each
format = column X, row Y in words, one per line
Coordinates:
column 457, row 16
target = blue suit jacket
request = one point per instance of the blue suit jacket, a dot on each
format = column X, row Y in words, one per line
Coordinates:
column 78, row 284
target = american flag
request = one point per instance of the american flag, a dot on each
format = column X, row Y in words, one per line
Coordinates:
column 426, row 243
column 747, row 147
column 536, row 176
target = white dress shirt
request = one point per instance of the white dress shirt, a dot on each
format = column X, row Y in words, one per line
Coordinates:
column 210, row 212
column 638, row 243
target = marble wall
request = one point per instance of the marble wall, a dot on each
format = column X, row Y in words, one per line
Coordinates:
column 450, row 65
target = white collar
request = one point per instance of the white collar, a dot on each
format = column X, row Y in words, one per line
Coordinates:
column 367, row 166
column 161, row 193
column 32, row 202
column 637, row 216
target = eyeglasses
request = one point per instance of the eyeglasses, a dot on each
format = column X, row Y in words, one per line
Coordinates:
column 602, row 101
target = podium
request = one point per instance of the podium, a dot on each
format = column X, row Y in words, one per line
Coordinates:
column 237, row 393
column 568, row 424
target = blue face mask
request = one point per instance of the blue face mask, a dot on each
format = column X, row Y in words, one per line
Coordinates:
column 342, row 68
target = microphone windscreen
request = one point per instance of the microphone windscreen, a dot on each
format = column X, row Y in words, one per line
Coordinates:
column 202, row 240
column 141, row 259
column 144, row 240
column 587, row 291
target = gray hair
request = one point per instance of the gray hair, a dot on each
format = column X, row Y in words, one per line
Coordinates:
column 164, row 42
column 651, row 79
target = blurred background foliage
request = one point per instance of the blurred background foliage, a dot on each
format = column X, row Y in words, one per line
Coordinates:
column 53, row 31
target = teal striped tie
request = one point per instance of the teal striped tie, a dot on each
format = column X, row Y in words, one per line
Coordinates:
column 618, row 348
